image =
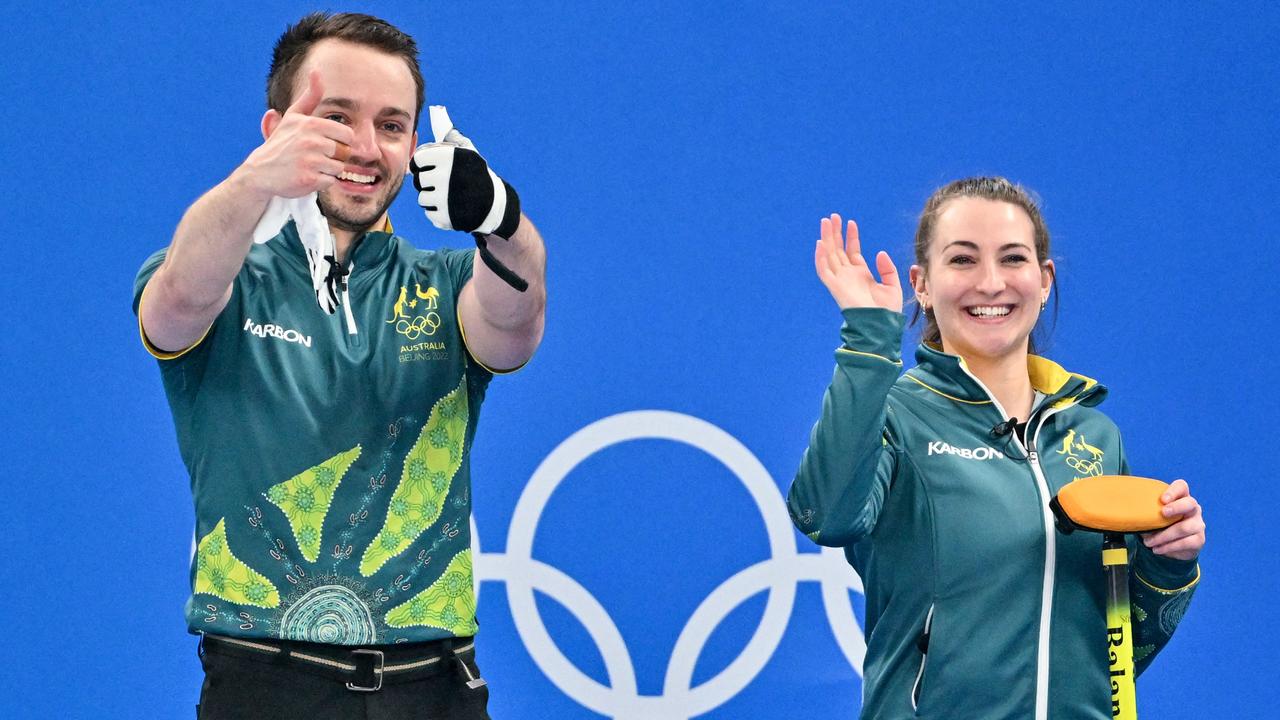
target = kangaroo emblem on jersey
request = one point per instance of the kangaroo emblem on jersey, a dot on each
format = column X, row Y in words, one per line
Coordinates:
column 397, row 310
column 424, row 320
column 1088, row 462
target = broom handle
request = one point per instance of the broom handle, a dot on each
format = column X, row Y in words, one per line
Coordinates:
column 1115, row 561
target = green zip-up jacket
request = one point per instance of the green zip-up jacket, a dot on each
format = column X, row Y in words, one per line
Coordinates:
column 976, row 606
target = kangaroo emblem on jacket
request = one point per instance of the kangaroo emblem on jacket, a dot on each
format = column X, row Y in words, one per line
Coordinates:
column 1088, row 462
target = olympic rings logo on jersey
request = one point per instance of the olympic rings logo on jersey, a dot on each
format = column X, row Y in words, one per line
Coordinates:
column 416, row 326
column 419, row 326
column 780, row 575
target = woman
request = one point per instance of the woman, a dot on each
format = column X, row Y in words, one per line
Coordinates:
column 936, row 482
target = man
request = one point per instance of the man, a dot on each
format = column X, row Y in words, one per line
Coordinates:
column 325, row 384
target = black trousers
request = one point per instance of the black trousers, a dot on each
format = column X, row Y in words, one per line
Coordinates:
column 247, row 685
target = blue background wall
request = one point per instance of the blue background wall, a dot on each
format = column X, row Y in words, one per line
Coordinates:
column 677, row 161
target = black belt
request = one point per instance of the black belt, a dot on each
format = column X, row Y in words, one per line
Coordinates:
column 364, row 669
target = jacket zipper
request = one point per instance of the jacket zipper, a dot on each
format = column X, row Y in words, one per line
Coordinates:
column 923, row 644
column 1050, row 569
column 1051, row 561
column 1050, row 554
column 353, row 333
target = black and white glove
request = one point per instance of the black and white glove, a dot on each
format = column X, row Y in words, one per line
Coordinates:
column 459, row 191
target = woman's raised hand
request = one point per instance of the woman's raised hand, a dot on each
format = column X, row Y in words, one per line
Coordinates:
column 848, row 277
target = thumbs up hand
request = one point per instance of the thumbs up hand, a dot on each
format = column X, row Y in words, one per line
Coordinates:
column 456, row 187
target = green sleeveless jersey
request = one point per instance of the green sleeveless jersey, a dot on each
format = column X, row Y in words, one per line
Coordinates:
column 329, row 454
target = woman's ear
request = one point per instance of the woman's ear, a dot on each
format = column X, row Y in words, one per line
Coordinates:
column 919, row 283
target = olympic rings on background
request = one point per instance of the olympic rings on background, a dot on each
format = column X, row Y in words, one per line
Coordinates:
column 779, row 575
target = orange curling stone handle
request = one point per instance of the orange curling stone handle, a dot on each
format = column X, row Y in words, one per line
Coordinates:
column 1111, row 503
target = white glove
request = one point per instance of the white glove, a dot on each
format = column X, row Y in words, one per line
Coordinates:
column 455, row 186
column 458, row 191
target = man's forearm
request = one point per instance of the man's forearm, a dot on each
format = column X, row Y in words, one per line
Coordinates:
column 208, row 248
column 213, row 239
column 502, row 306
column 503, row 325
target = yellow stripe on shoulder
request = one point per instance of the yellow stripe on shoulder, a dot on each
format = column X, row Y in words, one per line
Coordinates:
column 930, row 388
column 870, row 355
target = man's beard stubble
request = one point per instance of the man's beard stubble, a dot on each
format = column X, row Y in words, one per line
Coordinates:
column 356, row 221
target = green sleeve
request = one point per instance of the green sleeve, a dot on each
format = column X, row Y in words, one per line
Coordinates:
column 1160, row 589
column 459, row 264
column 1158, row 605
column 845, row 472
column 144, row 276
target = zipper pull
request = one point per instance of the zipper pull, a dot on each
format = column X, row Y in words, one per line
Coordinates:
column 1033, row 456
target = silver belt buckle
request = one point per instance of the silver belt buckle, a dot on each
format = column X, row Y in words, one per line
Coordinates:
column 379, row 661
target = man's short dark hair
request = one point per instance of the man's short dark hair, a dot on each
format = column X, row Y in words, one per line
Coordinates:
column 292, row 47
